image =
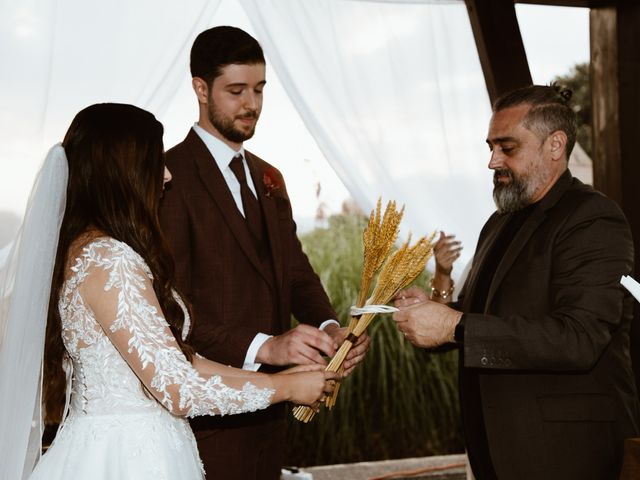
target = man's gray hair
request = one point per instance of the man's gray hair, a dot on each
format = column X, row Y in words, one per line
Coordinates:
column 550, row 110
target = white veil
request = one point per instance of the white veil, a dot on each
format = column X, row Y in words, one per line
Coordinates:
column 25, row 284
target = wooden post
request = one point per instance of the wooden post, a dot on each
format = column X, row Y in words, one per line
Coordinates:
column 615, row 77
column 605, row 101
column 499, row 43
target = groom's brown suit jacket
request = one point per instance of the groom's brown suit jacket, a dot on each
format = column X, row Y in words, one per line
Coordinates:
column 234, row 292
column 545, row 363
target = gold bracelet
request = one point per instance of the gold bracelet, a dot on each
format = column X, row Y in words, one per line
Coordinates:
column 443, row 294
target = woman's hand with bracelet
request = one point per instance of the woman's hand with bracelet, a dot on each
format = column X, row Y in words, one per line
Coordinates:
column 446, row 252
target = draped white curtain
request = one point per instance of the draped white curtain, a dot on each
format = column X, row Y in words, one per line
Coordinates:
column 394, row 95
column 392, row 91
column 58, row 57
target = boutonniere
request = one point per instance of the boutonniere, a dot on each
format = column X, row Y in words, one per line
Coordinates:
column 271, row 181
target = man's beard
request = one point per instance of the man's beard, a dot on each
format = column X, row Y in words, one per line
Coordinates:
column 225, row 125
column 514, row 195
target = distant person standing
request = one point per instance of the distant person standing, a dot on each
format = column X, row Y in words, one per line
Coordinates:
column 229, row 223
column 446, row 251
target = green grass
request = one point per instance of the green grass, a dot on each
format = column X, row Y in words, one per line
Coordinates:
column 401, row 401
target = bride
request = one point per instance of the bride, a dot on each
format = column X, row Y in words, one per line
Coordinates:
column 117, row 332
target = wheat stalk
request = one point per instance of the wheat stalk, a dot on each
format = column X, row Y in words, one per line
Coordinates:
column 378, row 239
column 397, row 272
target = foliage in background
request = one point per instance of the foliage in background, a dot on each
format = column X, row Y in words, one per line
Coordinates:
column 578, row 81
column 401, row 401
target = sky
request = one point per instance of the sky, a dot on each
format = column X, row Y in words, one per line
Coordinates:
column 555, row 39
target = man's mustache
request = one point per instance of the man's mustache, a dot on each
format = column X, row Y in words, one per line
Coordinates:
column 250, row 114
column 502, row 172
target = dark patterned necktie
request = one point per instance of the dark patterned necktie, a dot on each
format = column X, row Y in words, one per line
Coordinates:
column 250, row 205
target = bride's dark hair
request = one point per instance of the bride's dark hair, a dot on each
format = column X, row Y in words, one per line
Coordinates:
column 116, row 170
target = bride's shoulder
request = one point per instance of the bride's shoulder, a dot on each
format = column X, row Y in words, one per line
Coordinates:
column 108, row 245
column 104, row 251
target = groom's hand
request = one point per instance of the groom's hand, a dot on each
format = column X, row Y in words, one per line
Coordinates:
column 301, row 345
column 357, row 352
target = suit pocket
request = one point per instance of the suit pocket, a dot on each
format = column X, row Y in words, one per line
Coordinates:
column 579, row 439
column 577, row 408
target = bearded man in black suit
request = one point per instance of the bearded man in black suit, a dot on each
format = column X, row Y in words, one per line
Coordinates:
column 542, row 323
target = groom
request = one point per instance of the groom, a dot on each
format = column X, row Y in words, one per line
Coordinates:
column 228, row 220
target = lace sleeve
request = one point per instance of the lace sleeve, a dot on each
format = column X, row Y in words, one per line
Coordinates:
column 119, row 291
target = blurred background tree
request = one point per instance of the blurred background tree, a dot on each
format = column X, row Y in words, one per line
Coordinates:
column 578, row 80
column 401, row 401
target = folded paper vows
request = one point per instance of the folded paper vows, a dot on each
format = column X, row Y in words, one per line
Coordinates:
column 631, row 285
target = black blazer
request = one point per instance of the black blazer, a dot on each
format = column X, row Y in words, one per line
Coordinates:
column 549, row 354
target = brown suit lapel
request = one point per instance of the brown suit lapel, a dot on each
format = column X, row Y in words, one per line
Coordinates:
column 217, row 188
column 270, row 213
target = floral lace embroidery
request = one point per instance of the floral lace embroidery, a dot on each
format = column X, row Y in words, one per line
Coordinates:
column 78, row 324
column 149, row 337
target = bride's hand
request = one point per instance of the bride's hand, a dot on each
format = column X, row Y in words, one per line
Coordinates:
column 303, row 368
column 305, row 387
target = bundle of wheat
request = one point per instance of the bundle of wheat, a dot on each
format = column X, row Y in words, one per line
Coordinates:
column 396, row 271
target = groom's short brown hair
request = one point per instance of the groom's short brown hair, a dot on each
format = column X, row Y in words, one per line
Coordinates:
column 218, row 47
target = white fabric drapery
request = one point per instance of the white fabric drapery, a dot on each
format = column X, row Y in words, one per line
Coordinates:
column 58, row 57
column 392, row 91
column 394, row 95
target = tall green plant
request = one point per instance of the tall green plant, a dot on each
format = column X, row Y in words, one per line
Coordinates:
column 401, row 401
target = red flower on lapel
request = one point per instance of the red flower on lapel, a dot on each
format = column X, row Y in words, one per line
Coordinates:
column 272, row 181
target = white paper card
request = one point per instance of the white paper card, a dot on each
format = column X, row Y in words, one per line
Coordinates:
column 631, row 285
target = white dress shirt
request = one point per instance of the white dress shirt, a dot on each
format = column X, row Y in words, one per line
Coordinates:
column 223, row 154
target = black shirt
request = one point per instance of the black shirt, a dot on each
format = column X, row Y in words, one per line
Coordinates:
column 473, row 421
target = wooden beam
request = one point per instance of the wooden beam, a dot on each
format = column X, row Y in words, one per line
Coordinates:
column 605, row 101
column 629, row 114
column 615, row 77
column 572, row 3
column 499, row 43
column 628, row 72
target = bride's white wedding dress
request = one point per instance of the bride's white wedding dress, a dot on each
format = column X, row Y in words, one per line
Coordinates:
column 132, row 386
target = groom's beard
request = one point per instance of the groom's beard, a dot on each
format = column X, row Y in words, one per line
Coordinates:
column 225, row 126
column 514, row 195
